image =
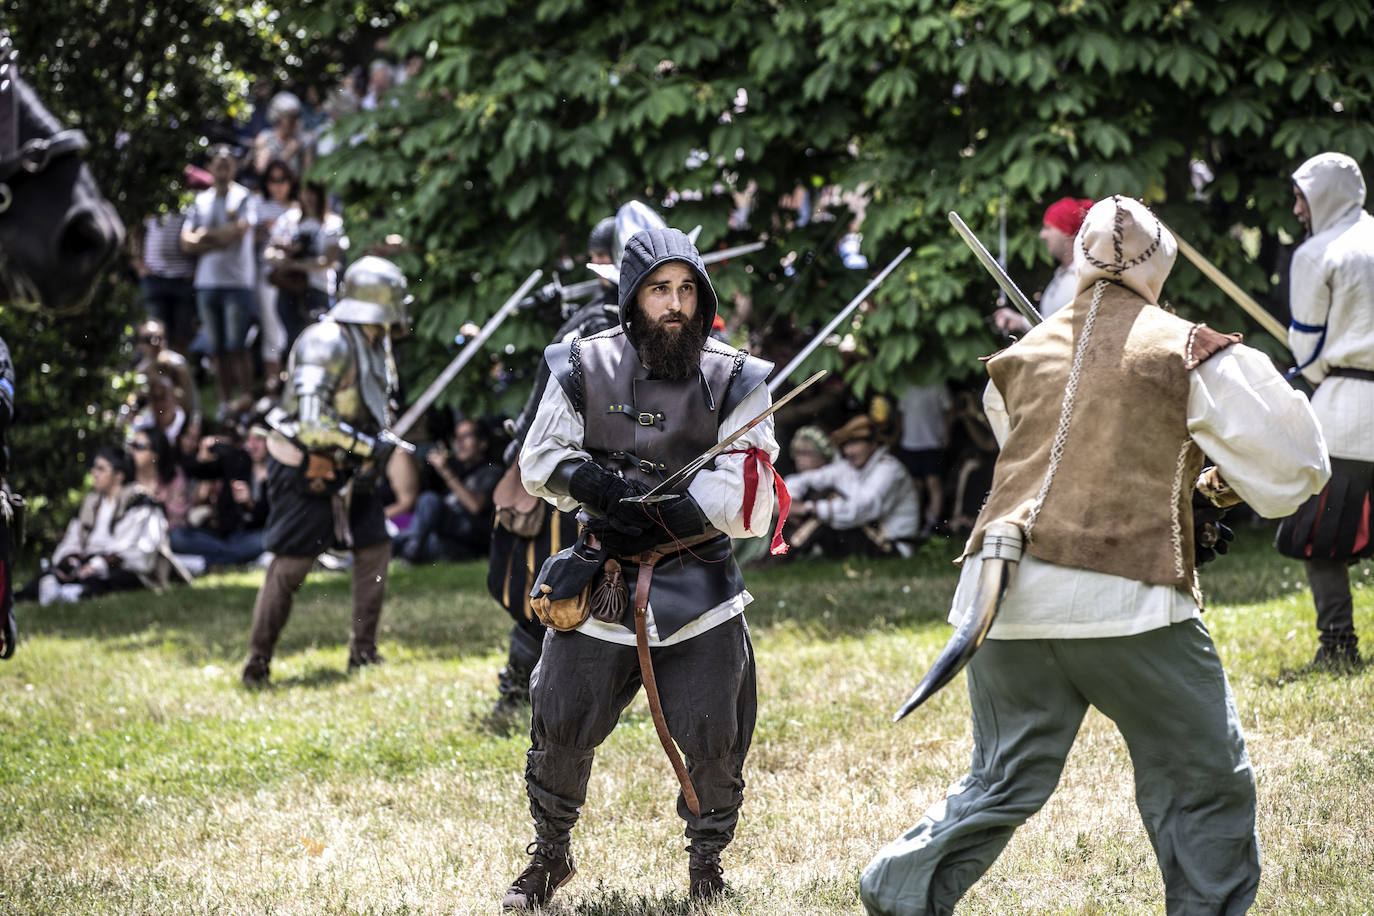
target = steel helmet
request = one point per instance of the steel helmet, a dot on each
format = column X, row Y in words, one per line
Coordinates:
column 373, row 292
column 633, row 217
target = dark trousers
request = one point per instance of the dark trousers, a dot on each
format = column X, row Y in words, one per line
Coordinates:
column 1330, row 581
column 283, row 579
column 578, row 691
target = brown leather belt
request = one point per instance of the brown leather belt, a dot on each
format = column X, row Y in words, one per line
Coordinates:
column 646, row 673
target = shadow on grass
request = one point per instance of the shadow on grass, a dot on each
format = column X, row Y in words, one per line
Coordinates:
column 443, row 611
column 437, row 611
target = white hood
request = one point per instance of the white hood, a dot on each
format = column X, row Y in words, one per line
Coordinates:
column 1121, row 240
column 1334, row 189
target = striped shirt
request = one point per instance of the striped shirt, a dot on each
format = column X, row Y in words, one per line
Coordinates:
column 162, row 247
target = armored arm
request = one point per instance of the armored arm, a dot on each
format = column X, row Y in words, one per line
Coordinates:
column 321, row 361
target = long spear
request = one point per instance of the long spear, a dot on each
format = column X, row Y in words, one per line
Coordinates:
column 1229, row 287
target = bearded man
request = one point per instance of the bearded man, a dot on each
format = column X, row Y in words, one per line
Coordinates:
column 625, row 409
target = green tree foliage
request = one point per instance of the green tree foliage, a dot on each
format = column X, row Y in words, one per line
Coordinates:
column 532, row 121
column 148, row 82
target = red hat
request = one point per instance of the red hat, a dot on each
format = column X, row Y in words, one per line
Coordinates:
column 1066, row 214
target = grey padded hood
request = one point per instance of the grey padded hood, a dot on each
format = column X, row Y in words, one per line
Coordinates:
column 647, row 251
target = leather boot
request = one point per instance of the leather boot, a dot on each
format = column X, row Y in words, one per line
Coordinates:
column 706, row 879
column 550, row 868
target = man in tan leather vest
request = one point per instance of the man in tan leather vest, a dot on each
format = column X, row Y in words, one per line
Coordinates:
column 624, row 409
column 1103, row 413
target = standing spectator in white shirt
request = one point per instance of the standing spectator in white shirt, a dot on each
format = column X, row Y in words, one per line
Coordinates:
column 1103, row 413
column 926, row 416
column 220, row 230
column 1331, row 292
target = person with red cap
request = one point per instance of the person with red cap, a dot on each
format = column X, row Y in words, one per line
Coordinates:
column 1062, row 219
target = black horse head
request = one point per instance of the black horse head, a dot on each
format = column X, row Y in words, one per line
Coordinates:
column 58, row 235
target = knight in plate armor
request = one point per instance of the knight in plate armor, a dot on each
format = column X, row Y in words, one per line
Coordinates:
column 328, row 448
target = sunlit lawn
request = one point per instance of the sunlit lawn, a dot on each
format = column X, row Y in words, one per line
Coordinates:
column 137, row 777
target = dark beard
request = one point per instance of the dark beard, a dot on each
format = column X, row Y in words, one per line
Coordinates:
column 672, row 354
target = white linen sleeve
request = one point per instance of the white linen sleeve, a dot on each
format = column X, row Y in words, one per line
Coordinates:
column 860, row 500
column 719, row 491
column 995, row 409
column 555, row 436
column 1259, row 432
column 1309, row 302
column 72, row 543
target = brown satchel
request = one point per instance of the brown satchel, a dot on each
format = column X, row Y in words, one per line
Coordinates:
column 519, row 512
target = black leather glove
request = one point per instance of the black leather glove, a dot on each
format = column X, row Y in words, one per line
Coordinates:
column 1210, row 536
column 679, row 517
column 601, row 493
column 618, row 543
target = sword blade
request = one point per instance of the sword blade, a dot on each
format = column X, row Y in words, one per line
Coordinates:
column 584, row 288
column 666, row 489
column 1014, row 294
column 854, row 303
column 422, row 403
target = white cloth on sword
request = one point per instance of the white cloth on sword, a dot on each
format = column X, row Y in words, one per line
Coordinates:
column 1250, row 423
column 556, row 436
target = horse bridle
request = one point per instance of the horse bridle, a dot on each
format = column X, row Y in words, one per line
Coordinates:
column 37, row 154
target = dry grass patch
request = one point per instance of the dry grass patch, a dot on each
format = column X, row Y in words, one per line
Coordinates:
column 136, row 777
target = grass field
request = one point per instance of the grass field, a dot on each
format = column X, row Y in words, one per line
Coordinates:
column 137, row 777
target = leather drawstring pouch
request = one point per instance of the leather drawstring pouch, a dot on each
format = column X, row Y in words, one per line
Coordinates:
column 562, row 594
column 516, row 510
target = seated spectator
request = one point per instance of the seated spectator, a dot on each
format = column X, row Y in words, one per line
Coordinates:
column 155, row 358
column 114, row 542
column 864, row 504
column 454, row 524
column 157, row 471
column 811, row 449
column 226, row 519
column 163, row 408
column 400, row 489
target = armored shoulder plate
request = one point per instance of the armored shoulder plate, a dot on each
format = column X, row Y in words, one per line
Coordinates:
column 746, row 374
column 319, row 359
column 564, row 362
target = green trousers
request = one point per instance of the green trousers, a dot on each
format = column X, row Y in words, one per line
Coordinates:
column 1167, row 693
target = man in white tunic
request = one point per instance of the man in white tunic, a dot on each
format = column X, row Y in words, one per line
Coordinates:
column 1103, row 413
column 624, row 409
column 1331, row 293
